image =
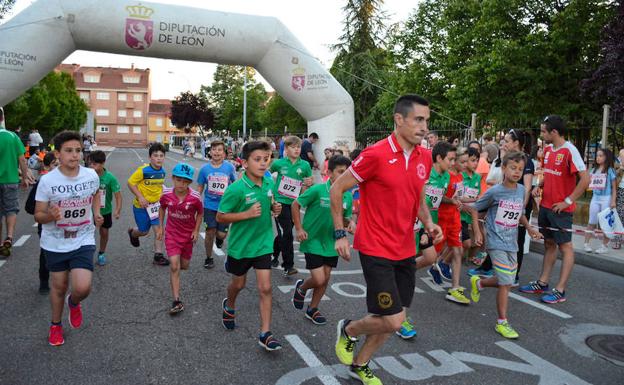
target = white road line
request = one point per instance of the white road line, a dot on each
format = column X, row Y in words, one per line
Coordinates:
column 540, row 306
column 2, row 263
column 310, row 358
column 137, row 154
column 434, row 286
column 34, row 224
column 334, row 272
column 218, row 251
column 21, row 241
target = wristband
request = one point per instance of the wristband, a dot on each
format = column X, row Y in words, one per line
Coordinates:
column 338, row 234
column 568, row 201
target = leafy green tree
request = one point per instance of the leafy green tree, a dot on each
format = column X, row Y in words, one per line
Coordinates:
column 5, row 7
column 52, row 105
column 279, row 114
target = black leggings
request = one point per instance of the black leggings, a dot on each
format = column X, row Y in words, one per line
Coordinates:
column 284, row 240
column 44, row 273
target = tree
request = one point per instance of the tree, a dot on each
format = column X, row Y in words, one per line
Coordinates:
column 52, row 105
column 190, row 110
column 5, row 7
column 279, row 114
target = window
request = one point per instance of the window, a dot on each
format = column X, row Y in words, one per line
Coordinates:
column 122, row 97
column 136, row 130
column 101, row 112
column 159, row 122
column 103, row 129
column 103, row 96
column 91, row 78
column 138, row 97
column 123, row 129
column 85, row 96
column 137, row 113
column 122, row 113
column 131, row 79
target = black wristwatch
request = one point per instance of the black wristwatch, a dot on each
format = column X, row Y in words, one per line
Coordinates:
column 338, row 234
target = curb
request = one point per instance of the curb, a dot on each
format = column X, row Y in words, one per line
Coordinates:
column 600, row 262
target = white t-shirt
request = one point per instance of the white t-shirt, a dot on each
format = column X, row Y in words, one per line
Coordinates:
column 34, row 139
column 75, row 196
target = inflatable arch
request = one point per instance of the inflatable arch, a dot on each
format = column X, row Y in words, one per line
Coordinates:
column 41, row 36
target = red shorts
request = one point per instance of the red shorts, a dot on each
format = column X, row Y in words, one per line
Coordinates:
column 175, row 247
column 452, row 234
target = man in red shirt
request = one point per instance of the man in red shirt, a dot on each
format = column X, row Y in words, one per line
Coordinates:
column 395, row 168
column 560, row 189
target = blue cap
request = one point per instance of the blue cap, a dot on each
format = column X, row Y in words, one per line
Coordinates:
column 183, row 170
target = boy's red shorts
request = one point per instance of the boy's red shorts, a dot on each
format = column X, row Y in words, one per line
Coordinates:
column 452, row 233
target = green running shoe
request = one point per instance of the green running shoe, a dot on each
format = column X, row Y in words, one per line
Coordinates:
column 475, row 294
column 457, row 296
column 364, row 374
column 344, row 343
column 506, row 330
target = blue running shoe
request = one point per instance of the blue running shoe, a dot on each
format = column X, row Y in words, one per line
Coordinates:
column 407, row 330
column 534, row 287
column 101, row 259
column 480, row 272
column 267, row 341
column 444, row 270
column 555, row 296
column 229, row 317
column 299, row 295
column 435, row 275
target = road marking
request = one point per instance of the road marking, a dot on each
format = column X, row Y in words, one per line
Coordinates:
column 334, row 272
column 218, row 251
column 540, row 306
column 310, row 359
column 2, row 263
column 434, row 286
column 34, row 224
column 21, row 241
column 337, row 287
column 288, row 288
column 137, row 154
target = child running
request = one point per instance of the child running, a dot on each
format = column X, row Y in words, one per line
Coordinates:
column 109, row 186
column 504, row 204
column 603, row 184
column 216, row 176
column 317, row 237
column 67, row 201
column 247, row 204
column 184, row 211
column 146, row 183
column 472, row 190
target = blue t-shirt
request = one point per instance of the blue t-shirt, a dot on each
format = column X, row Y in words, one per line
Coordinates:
column 606, row 189
column 504, row 208
column 216, row 180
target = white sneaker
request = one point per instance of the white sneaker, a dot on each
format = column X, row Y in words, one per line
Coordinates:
column 587, row 248
column 601, row 250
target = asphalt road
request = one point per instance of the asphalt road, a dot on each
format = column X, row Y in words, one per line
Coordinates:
column 128, row 337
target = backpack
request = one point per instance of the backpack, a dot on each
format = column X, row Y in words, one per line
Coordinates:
column 29, row 206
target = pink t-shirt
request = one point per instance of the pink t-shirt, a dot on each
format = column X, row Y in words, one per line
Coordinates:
column 180, row 221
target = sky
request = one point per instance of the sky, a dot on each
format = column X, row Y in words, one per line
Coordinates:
column 316, row 24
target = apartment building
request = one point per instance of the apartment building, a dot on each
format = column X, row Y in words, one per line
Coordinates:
column 159, row 121
column 119, row 100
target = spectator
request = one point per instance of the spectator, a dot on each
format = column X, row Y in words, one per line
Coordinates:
column 87, row 147
column 307, row 153
column 604, row 188
column 432, row 139
column 281, row 144
column 325, row 172
column 34, row 141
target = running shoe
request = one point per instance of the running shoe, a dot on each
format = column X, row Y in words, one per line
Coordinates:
column 444, row 270
column 479, row 258
column 44, row 288
column 516, row 282
column 344, row 343
column 176, row 307
column 134, row 241
column 555, row 296
column 435, row 275
column 457, row 295
column 55, row 335
column 602, row 250
column 364, row 374
column 480, row 272
column 5, row 249
column 229, row 321
column 475, row 294
column 267, row 341
column 219, row 243
column 505, row 330
column 101, row 260
column 209, row 263
column 75, row 314
column 275, row 263
column 587, row 248
column 290, row 271
column 159, row 259
column 314, row 315
column 299, row 295
column 534, row 287
column 407, row 330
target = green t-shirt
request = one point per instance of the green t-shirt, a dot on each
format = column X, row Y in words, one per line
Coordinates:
column 435, row 189
column 108, row 186
column 12, row 149
column 317, row 221
column 472, row 189
column 252, row 237
column 289, row 179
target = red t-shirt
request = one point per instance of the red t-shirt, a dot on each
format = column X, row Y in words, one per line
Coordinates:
column 391, row 186
column 448, row 212
column 560, row 169
column 180, row 221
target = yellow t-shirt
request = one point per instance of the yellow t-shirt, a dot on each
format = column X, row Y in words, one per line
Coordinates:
column 149, row 181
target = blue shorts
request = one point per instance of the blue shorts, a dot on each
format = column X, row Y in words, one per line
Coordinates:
column 76, row 259
column 210, row 219
column 142, row 219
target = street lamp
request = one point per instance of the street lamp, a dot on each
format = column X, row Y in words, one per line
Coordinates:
column 245, row 106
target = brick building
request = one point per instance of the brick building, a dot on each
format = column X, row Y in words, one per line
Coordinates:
column 119, row 100
column 159, row 122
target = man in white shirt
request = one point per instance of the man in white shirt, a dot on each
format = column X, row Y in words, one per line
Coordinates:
column 34, row 141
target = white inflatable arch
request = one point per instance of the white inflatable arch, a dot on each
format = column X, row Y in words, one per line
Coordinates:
column 40, row 37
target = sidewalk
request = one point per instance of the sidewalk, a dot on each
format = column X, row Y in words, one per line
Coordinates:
column 179, row 151
column 611, row 262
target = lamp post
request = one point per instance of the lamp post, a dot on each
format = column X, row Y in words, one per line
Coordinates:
column 245, row 105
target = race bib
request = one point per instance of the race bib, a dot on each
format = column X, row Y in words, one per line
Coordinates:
column 435, row 195
column 598, row 182
column 217, row 184
column 102, row 198
column 289, row 187
column 152, row 210
column 508, row 213
column 459, row 190
column 470, row 192
column 75, row 213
